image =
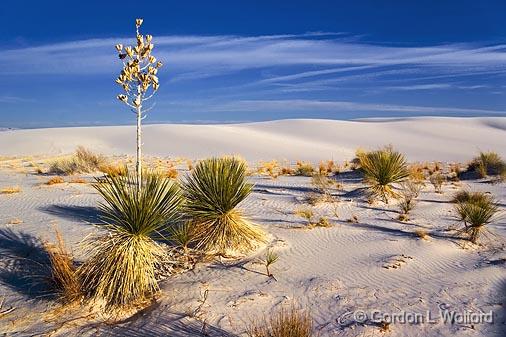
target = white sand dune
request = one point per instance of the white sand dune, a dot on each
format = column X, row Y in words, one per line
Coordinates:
column 377, row 264
column 431, row 138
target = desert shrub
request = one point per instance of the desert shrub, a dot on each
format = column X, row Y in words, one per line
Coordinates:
column 408, row 193
column 213, row 191
column 417, row 174
column 303, row 168
column 488, row 164
column 383, row 168
column 123, row 264
column 284, row 323
column 322, row 189
column 114, row 170
column 82, row 161
column 437, row 180
column 270, row 168
column 64, row 279
column 307, row 214
column 468, row 196
column 328, row 167
column 476, row 211
column 55, row 180
column 421, row 233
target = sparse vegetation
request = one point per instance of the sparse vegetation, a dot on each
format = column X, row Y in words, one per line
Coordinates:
column 422, row 234
column 284, row 323
column 303, row 168
column 475, row 210
column 323, row 187
column 382, row 169
column 307, row 214
column 437, row 179
column 114, row 170
column 82, row 161
column 213, row 191
column 123, row 265
column 270, row 258
column 270, row 168
column 489, row 164
column 10, row 190
column 64, row 278
column 408, row 193
column 55, row 180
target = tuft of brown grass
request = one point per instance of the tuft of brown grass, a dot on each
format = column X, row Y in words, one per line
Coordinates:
column 171, row 173
column 15, row 221
column 422, row 234
column 270, row 168
column 10, row 190
column 55, row 180
column 82, row 161
column 284, row 323
column 114, row 170
column 489, row 164
column 304, row 168
column 437, row 179
column 64, row 277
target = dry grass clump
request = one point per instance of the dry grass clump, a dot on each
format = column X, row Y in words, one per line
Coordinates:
column 82, row 161
column 213, row 191
column 489, row 164
column 114, row 170
column 417, row 173
column 409, row 191
column 77, row 180
column 64, row 278
column 422, row 234
column 55, row 180
column 323, row 187
column 270, row 168
column 475, row 210
column 437, row 179
column 303, row 168
column 10, row 190
column 123, row 265
column 284, row 323
column 383, row 168
column 328, row 167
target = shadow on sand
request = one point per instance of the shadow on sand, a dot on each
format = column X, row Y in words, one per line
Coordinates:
column 24, row 264
column 86, row 214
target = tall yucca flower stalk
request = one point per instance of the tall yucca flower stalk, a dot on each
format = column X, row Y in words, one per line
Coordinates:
column 139, row 81
column 213, row 191
column 382, row 168
column 123, row 265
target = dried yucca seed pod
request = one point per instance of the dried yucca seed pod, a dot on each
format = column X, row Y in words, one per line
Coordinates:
column 119, row 47
column 138, row 22
column 122, row 98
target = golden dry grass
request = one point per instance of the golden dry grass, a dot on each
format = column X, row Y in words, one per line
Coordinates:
column 55, row 180
column 114, row 170
column 10, row 190
column 64, row 277
column 77, row 180
column 422, row 234
column 284, row 323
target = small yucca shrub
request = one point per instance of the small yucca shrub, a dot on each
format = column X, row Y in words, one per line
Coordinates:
column 213, row 191
column 383, row 168
column 284, row 323
column 475, row 210
column 123, row 264
column 489, row 164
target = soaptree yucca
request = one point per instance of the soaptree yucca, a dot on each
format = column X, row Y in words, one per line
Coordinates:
column 213, row 191
column 475, row 210
column 122, row 267
column 382, row 168
column 139, row 81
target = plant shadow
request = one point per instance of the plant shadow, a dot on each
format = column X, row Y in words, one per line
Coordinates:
column 24, row 265
column 87, row 214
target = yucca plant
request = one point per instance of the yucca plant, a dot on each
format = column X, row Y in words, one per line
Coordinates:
column 213, row 191
column 382, row 168
column 489, row 163
column 476, row 212
column 123, row 264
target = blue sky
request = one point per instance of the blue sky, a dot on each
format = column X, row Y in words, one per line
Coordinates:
column 255, row 60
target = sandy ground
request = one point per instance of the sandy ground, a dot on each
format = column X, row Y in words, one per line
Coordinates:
column 376, row 265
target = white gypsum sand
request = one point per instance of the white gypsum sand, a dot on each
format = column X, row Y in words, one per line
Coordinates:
column 375, row 265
